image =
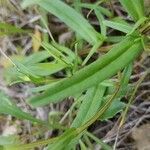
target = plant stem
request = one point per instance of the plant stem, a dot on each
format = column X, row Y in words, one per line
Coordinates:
column 99, row 141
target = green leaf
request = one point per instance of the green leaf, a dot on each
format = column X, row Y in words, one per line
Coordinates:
column 24, row 72
column 43, row 87
column 45, row 69
column 115, row 39
column 135, row 8
column 57, row 54
column 103, row 10
column 82, row 145
column 23, row 69
column 124, row 83
column 20, row 71
column 91, row 102
column 35, row 57
column 105, row 67
column 117, row 106
column 114, row 108
column 92, row 51
column 69, row 16
column 118, row 26
column 7, row 107
column 29, row 68
column 71, row 55
column 101, row 19
column 90, row 105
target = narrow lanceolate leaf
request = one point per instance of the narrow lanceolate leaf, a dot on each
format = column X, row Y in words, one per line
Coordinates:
column 124, row 83
column 69, row 16
column 135, row 8
column 101, row 23
column 116, row 107
column 92, row 99
column 56, row 53
column 107, row 66
column 90, row 105
column 103, row 10
column 71, row 55
column 36, row 57
column 118, row 26
column 45, row 69
column 7, row 107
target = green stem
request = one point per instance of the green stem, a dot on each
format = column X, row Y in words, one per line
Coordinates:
column 99, row 141
column 34, row 144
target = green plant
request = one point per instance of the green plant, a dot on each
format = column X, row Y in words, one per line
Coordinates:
column 96, row 95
